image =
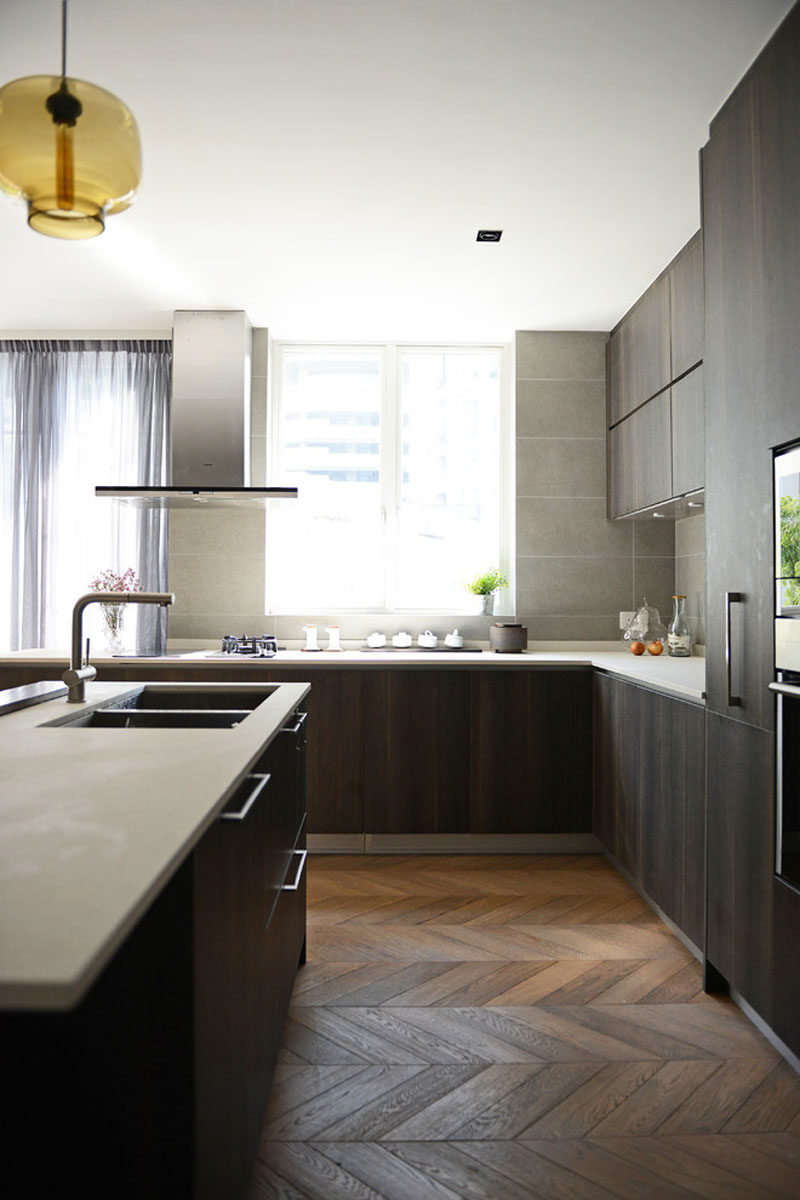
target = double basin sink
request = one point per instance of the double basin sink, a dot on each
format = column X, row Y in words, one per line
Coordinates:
column 165, row 707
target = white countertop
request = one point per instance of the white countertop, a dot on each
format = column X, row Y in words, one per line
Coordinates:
column 93, row 822
column 682, row 677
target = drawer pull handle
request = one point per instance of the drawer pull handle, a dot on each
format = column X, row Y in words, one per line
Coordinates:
column 731, row 700
column 302, row 855
column 298, row 726
column 260, row 782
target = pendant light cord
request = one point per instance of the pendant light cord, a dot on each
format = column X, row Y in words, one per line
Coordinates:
column 63, row 39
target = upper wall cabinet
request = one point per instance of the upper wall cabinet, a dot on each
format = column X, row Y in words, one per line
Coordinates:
column 655, row 391
column 686, row 316
column 639, row 352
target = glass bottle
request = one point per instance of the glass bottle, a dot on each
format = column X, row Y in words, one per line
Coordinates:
column 679, row 639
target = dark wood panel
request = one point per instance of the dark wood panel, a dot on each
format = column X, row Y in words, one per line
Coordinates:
column 653, row 471
column 686, row 304
column 786, row 963
column 335, row 750
column 738, row 458
column 639, row 364
column 776, row 101
column 622, row 468
column 531, row 752
column 739, row 780
column 688, row 434
column 649, row 794
column 417, row 751
column 77, row 1084
column 673, row 811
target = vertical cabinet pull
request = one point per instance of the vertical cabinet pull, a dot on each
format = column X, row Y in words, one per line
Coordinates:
column 301, row 855
column 731, row 700
column 260, row 782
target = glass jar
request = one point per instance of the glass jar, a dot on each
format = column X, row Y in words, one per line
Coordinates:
column 679, row 639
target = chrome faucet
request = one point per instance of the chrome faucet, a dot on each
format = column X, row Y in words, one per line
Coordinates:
column 79, row 671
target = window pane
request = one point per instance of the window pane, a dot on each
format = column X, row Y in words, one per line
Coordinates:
column 448, row 519
column 325, row 550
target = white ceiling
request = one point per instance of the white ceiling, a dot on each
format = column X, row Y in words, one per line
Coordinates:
column 325, row 164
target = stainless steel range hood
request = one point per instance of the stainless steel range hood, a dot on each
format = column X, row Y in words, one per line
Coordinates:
column 210, row 419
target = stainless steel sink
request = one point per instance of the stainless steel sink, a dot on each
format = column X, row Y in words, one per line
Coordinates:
column 162, row 696
column 174, row 718
column 162, row 706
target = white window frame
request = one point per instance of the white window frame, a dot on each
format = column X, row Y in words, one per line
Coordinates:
column 390, row 477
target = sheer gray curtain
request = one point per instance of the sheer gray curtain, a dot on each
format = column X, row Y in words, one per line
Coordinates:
column 76, row 414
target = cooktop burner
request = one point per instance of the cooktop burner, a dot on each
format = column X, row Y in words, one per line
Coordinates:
column 263, row 646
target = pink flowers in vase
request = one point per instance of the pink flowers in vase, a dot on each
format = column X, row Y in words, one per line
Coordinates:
column 110, row 581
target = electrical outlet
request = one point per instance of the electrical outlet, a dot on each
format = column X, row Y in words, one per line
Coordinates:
column 625, row 619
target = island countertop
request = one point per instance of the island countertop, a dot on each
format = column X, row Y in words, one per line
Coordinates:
column 95, row 821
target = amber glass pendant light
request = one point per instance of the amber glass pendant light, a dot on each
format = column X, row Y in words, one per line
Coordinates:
column 69, row 149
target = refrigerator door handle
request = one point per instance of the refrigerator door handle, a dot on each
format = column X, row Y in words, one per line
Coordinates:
column 731, row 700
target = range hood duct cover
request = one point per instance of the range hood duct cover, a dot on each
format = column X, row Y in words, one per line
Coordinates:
column 210, row 418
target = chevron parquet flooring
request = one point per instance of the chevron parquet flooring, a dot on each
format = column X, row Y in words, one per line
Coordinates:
column 503, row 1027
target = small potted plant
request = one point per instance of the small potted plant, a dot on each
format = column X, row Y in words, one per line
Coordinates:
column 111, row 581
column 486, row 587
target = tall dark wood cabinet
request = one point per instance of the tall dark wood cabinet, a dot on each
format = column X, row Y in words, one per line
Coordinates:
column 751, row 198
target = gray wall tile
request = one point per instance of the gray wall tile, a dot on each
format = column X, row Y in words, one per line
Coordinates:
column 653, row 538
column 690, row 535
column 574, row 586
column 560, row 355
column 544, row 628
column 561, row 467
column 564, row 527
column 561, row 408
column 260, row 353
column 226, row 582
column 654, row 579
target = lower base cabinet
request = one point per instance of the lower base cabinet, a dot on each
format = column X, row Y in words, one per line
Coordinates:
column 649, row 795
column 156, row 1085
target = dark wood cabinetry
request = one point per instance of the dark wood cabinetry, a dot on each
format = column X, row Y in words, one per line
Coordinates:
column 649, row 795
column 335, row 754
column 639, row 363
column 531, row 752
column 417, row 751
column 655, row 444
column 751, row 196
column 688, row 433
column 686, row 304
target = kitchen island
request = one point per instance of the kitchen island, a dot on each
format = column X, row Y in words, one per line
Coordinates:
column 151, row 921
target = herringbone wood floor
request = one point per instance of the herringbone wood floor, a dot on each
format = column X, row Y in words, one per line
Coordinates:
column 514, row 1028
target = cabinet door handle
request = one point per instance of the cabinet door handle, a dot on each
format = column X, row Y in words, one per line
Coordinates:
column 731, row 700
column 785, row 689
column 302, row 855
column 260, row 782
column 296, row 727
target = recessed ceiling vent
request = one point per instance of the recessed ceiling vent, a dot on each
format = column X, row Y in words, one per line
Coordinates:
column 489, row 235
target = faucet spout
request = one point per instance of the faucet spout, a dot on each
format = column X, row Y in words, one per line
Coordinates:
column 78, row 673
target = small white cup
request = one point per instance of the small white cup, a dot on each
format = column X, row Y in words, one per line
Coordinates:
column 402, row 639
column 375, row 640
